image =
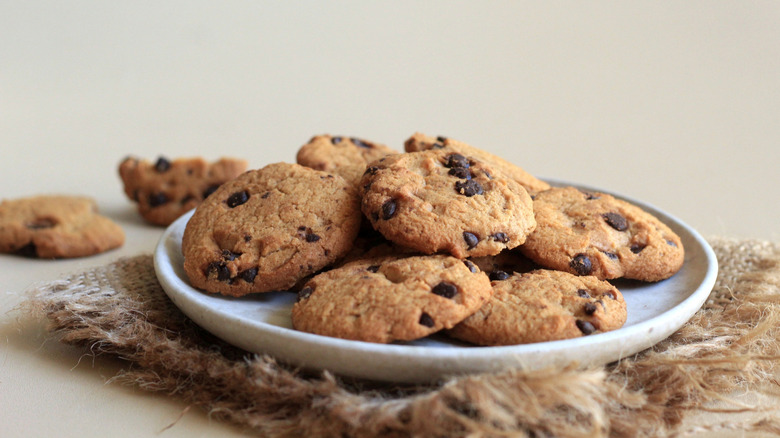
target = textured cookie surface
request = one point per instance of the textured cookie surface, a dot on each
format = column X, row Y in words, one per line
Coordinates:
column 442, row 201
column 56, row 227
column 597, row 234
column 389, row 299
column 344, row 156
column 544, row 305
column 269, row 228
column 166, row 189
column 421, row 142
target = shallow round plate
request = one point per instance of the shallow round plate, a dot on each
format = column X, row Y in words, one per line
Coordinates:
column 261, row 323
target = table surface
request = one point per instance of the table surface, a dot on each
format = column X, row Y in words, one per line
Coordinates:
column 673, row 103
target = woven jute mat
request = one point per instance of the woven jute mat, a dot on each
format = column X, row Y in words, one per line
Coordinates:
column 731, row 346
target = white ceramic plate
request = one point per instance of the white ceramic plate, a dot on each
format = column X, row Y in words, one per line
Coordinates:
column 261, row 323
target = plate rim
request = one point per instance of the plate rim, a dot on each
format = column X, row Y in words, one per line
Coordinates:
column 681, row 313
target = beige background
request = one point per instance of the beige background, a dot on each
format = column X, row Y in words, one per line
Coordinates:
column 673, row 103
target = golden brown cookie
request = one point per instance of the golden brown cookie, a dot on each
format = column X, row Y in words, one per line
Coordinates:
column 442, row 201
column 345, row 156
column 269, row 228
column 166, row 189
column 543, row 305
column 56, row 227
column 596, row 234
column 389, row 299
column 422, row 142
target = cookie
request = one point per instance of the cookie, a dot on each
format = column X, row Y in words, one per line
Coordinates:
column 166, row 189
column 421, row 142
column 268, row 228
column 388, row 299
column 344, row 156
column 543, row 305
column 56, row 227
column 441, row 201
column 597, row 234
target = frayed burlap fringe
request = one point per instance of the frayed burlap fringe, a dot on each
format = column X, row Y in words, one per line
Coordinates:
column 730, row 346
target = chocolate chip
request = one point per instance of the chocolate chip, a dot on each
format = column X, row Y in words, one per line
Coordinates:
column 471, row 239
column 162, row 165
column 460, row 172
column 501, row 237
column 247, row 238
column 209, row 190
column 498, row 275
column 360, row 143
column 371, row 170
column 583, row 293
column 218, row 270
column 265, row 195
column 311, row 237
column 671, row 243
column 446, row 290
column 610, row 255
column 590, row 308
column 29, row 250
column 437, row 146
column 469, row 188
column 636, row 248
column 157, row 199
column 611, row 294
column 616, row 221
column 472, row 267
column 441, row 138
column 581, row 264
column 373, row 268
column 426, row 320
column 585, row 327
column 305, row 293
column 336, row 140
column 589, row 196
column 187, row 199
column 41, row 223
column 237, row 199
column 457, row 160
column 388, row 209
column 248, row 275
column 229, row 255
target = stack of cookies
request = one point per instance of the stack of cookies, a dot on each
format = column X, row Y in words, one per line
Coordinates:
column 383, row 246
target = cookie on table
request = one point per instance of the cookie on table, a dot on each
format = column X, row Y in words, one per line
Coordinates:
column 164, row 190
column 56, row 227
column 268, row 228
column 344, row 156
column 442, row 201
column 388, row 299
column 596, row 234
column 422, row 142
column 543, row 305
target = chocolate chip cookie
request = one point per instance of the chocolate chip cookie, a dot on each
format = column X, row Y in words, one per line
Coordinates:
column 345, row 156
column 543, row 305
column 389, row 299
column 442, row 201
column 596, row 234
column 268, row 228
column 421, row 142
column 165, row 189
column 56, row 227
